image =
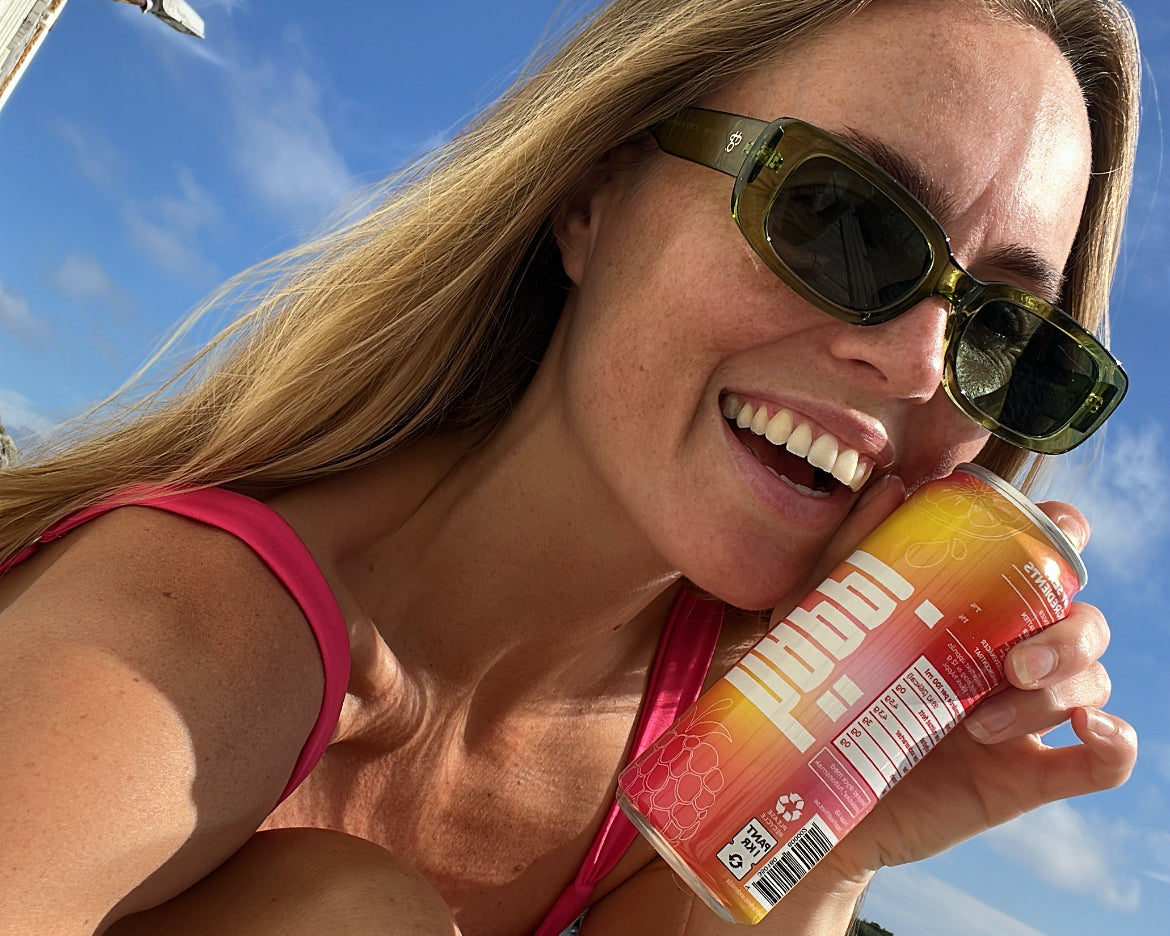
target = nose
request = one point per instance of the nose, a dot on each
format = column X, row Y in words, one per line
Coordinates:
column 902, row 358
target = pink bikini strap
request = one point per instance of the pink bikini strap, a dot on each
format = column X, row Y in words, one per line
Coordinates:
column 676, row 679
column 277, row 544
column 56, row 531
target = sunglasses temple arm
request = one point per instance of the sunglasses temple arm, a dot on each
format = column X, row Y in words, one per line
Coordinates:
column 710, row 138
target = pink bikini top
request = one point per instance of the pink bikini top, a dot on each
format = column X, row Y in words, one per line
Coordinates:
column 676, row 677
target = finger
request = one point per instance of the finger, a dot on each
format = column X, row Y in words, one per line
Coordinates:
column 1103, row 760
column 1060, row 651
column 1016, row 712
column 1072, row 522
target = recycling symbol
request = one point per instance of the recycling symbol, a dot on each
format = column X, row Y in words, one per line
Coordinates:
column 789, row 805
column 736, row 862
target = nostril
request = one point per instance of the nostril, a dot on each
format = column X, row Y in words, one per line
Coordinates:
column 903, row 357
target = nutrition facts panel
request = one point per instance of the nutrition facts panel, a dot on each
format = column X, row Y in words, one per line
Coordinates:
column 894, row 733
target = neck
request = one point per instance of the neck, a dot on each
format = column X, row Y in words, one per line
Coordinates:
column 501, row 556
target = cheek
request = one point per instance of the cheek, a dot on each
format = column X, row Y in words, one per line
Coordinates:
column 664, row 290
column 941, row 444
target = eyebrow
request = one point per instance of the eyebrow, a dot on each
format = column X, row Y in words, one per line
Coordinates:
column 1041, row 276
column 907, row 173
column 1038, row 275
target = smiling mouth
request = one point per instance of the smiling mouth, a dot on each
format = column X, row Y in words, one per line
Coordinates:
column 786, row 447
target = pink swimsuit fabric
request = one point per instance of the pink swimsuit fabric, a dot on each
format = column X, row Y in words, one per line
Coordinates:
column 675, row 680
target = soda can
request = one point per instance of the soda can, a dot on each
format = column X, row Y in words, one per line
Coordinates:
column 776, row 762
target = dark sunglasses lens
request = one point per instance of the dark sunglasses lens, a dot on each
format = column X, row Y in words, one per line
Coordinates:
column 1021, row 371
column 844, row 239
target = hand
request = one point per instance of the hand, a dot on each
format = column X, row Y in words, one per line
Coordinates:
column 995, row 766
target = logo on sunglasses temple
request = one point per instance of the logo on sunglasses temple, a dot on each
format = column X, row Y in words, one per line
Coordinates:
column 733, row 141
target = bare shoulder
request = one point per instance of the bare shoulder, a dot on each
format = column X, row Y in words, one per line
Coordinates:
column 164, row 591
column 156, row 686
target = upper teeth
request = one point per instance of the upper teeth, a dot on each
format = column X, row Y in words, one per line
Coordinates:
column 824, row 452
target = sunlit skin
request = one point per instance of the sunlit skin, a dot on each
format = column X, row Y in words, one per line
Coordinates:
column 674, row 308
column 505, row 598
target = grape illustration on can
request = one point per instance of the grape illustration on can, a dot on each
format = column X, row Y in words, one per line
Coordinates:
column 681, row 780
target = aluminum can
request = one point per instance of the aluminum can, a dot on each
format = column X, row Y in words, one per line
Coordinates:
column 777, row 761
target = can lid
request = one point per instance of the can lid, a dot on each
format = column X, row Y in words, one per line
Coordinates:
column 1051, row 530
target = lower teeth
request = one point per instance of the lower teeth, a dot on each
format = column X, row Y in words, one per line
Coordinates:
column 807, row 491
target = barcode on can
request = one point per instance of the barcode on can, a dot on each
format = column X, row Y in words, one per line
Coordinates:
column 791, row 863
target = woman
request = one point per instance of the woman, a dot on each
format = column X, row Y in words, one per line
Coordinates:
column 493, row 441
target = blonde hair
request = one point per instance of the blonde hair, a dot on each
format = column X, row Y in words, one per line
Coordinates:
column 433, row 309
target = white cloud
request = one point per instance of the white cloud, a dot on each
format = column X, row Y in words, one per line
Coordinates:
column 20, row 416
column 1159, row 846
column 280, row 140
column 1085, row 855
column 18, row 320
column 193, row 209
column 82, row 279
column 98, row 159
column 162, row 227
column 165, row 228
column 1125, row 493
column 910, row 902
column 167, row 249
column 283, row 146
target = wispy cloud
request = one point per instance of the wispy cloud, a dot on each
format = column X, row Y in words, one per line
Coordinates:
column 283, row 145
column 278, row 135
column 1159, row 847
column 18, row 320
column 166, row 228
column 166, row 248
column 193, row 208
column 911, row 902
column 82, row 279
column 163, row 226
column 21, row 417
column 1125, row 493
column 97, row 158
column 1085, row 855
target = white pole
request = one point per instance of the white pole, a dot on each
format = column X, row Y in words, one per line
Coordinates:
column 23, row 27
column 25, row 23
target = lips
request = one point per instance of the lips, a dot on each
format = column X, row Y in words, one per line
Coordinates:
column 806, row 457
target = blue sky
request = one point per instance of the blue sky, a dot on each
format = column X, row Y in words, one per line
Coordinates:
column 138, row 168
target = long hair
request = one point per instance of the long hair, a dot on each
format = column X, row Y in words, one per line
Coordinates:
column 433, row 309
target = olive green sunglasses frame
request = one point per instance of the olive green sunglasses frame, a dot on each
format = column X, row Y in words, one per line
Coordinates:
column 761, row 156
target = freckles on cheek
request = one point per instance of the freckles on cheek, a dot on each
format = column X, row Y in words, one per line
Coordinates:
column 732, row 299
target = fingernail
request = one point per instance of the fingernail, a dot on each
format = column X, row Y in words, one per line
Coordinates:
column 1100, row 724
column 1031, row 664
column 1075, row 528
column 990, row 719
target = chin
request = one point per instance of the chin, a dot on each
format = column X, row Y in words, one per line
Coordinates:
column 755, row 592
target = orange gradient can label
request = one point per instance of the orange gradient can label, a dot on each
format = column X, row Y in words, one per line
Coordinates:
column 776, row 762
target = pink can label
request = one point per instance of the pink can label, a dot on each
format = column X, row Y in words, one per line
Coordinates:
column 775, row 763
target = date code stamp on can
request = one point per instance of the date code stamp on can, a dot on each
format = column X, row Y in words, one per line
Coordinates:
column 747, row 849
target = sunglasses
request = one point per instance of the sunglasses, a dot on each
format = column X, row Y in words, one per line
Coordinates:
column 848, row 238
